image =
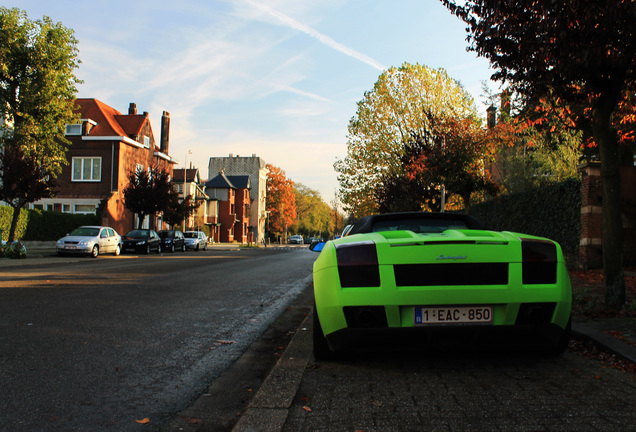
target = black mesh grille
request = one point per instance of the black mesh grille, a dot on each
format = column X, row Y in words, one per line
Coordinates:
column 451, row 274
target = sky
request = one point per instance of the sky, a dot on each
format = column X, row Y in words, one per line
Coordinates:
column 275, row 78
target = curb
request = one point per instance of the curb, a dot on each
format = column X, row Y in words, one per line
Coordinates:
column 268, row 411
column 609, row 343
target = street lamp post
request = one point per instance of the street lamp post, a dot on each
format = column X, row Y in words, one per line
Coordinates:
column 185, row 176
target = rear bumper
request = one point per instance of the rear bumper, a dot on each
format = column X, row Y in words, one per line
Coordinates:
column 437, row 338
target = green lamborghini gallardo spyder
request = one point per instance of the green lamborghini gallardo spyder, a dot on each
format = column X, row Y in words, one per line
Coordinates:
column 414, row 280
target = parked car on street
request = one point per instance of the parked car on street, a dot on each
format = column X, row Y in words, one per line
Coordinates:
column 90, row 240
column 431, row 280
column 196, row 240
column 172, row 240
column 295, row 239
column 142, row 241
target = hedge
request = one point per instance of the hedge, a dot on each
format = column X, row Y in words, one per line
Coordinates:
column 39, row 225
column 550, row 211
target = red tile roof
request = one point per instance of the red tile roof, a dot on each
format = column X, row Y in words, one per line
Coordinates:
column 110, row 122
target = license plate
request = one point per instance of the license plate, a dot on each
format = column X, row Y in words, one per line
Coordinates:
column 70, row 247
column 452, row 315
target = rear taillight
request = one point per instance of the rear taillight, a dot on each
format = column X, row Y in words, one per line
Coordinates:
column 358, row 264
column 539, row 261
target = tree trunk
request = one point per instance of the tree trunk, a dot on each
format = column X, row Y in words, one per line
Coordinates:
column 141, row 217
column 612, row 229
column 14, row 224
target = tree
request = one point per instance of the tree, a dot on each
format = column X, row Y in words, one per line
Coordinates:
column 387, row 116
column 37, row 94
column 313, row 215
column 178, row 210
column 281, row 201
column 583, row 53
column 148, row 192
column 16, row 166
column 453, row 153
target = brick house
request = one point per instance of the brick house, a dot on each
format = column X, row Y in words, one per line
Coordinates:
column 187, row 182
column 256, row 168
column 106, row 146
column 233, row 196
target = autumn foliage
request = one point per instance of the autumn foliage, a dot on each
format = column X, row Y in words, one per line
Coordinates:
column 281, row 201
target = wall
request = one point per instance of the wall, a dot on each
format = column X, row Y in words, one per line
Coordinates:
column 590, row 249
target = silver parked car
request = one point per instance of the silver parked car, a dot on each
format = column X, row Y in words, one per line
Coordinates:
column 295, row 239
column 90, row 240
column 196, row 240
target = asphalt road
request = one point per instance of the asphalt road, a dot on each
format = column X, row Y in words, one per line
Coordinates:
column 103, row 345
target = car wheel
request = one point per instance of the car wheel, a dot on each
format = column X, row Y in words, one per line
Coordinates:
column 561, row 345
column 117, row 250
column 148, row 250
column 183, row 248
column 158, row 249
column 321, row 347
column 95, row 251
column 197, row 248
column 172, row 249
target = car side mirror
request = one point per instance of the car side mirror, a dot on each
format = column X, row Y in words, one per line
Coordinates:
column 316, row 246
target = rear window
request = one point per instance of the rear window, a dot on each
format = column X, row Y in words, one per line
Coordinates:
column 422, row 226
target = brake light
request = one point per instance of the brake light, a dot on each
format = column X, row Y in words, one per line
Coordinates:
column 539, row 261
column 358, row 264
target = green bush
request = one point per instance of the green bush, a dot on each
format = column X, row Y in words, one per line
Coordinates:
column 15, row 250
column 39, row 225
column 552, row 211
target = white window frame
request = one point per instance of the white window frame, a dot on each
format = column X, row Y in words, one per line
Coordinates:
column 76, row 211
column 82, row 169
column 146, row 141
column 74, row 129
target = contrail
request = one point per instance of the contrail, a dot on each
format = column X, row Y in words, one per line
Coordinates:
column 290, row 22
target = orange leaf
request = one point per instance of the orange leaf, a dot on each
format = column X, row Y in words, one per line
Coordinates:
column 144, row 421
column 306, row 408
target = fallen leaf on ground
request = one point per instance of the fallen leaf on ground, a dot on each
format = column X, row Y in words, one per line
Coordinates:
column 143, row 421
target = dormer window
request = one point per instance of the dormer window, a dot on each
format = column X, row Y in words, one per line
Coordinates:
column 146, row 142
column 74, row 129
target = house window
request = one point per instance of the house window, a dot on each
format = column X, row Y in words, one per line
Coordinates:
column 74, row 129
column 146, row 141
column 138, row 168
column 66, row 208
column 87, row 169
column 85, row 208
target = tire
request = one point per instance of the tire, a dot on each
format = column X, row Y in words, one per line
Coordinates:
column 158, row 249
column 117, row 250
column 197, row 248
column 183, row 248
column 561, row 345
column 172, row 248
column 95, row 251
column 321, row 347
column 148, row 250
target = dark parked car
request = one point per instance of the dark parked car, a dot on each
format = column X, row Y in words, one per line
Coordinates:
column 142, row 241
column 172, row 240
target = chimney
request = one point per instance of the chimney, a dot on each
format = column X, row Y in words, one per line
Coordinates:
column 165, row 132
column 491, row 116
column 132, row 109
